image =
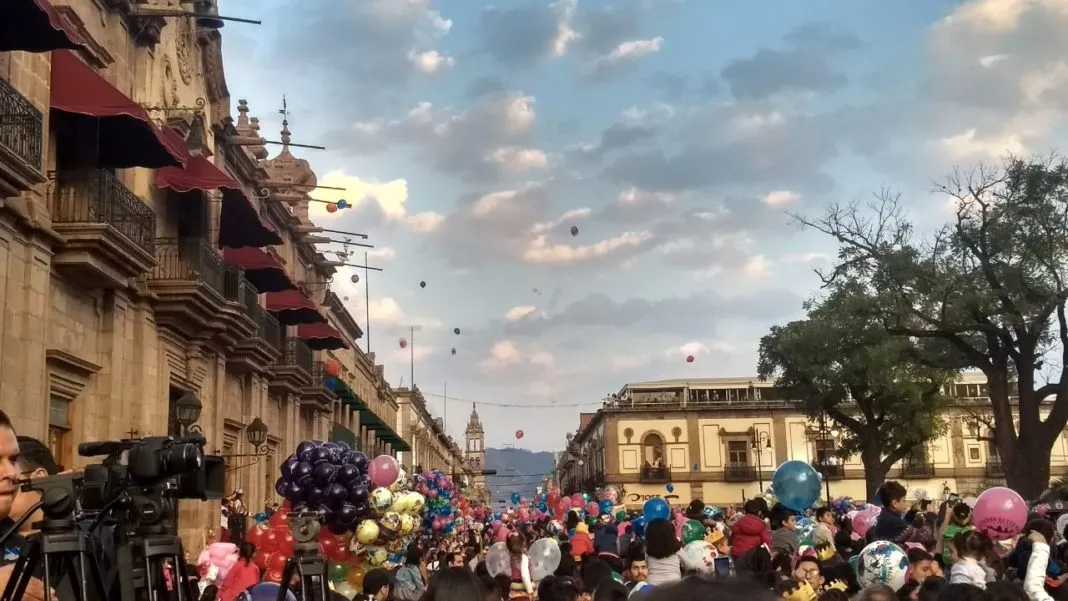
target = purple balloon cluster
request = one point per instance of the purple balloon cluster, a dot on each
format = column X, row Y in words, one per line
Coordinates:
column 329, row 477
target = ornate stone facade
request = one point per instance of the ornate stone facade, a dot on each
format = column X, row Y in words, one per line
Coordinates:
column 431, row 447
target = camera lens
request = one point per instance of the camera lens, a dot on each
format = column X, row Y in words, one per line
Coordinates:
column 180, row 458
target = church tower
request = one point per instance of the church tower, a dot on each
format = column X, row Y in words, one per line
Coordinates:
column 475, row 452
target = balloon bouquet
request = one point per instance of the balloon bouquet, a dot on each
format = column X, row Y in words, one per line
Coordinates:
column 441, row 504
column 367, row 512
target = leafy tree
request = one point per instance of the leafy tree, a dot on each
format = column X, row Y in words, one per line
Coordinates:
column 840, row 361
column 990, row 287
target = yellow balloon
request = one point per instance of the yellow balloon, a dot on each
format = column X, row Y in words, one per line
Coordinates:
column 407, row 524
column 367, row 532
column 416, row 502
column 355, row 576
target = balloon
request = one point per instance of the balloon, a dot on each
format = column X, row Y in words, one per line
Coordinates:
column 698, row 556
column 515, row 498
column 796, row 485
column 544, row 557
column 999, row 513
column 862, row 522
column 402, row 343
column 383, row 470
column 882, row 562
column 355, row 279
column 670, row 487
column 605, row 507
column 276, row 561
column 656, row 509
column 367, row 532
column 518, row 434
column 638, row 524
column 498, row 560
column 593, row 508
column 689, row 358
column 332, row 367
column 355, row 575
column 422, row 284
column 268, row 591
column 456, row 331
column 331, row 208
column 454, row 351
column 692, row 531
column 336, row 572
column 574, row 230
column 346, row 590
column 342, row 203
column 621, row 515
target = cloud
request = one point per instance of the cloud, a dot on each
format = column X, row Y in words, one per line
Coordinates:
column 483, row 143
column 502, row 355
column 625, row 54
column 385, row 202
column 520, row 36
column 780, row 198
column 617, row 136
column 516, row 313
column 382, row 254
column 430, row 61
column 803, row 66
column 543, row 359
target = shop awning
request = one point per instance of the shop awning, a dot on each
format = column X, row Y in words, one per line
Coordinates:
column 339, row 433
column 262, row 270
column 124, row 134
column 321, row 337
column 383, row 431
column 349, row 397
column 239, row 223
column 34, row 26
column 292, row 307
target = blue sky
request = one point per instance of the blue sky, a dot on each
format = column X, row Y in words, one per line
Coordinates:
column 677, row 135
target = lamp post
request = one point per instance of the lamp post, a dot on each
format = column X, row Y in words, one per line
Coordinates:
column 759, row 441
column 187, row 412
column 825, row 435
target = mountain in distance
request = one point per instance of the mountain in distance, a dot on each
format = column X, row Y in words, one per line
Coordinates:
column 518, row 470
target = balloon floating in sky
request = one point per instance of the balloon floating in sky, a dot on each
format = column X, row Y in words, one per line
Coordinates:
column 355, row 279
column 518, row 434
column 536, row 291
column 422, row 284
column 331, row 208
column 345, row 298
column 453, row 351
column 574, row 230
column 456, row 331
column 689, row 358
column 403, row 343
column 342, row 204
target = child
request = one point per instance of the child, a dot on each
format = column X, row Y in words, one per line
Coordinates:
column 891, row 524
column 750, row 531
column 784, row 533
column 960, row 517
column 966, row 549
column 581, row 543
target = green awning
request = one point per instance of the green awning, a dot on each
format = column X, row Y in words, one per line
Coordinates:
column 339, row 433
column 370, row 419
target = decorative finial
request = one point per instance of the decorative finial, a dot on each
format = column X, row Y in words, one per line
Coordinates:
column 242, row 110
column 285, row 125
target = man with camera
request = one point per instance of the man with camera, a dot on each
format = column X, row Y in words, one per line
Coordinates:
column 10, row 474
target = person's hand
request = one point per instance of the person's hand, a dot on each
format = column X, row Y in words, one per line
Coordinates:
column 1036, row 537
column 35, row 590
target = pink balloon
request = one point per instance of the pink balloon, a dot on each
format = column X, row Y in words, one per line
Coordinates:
column 577, row 500
column 383, row 471
column 502, row 535
column 565, row 503
column 592, row 508
column 999, row 513
column 862, row 522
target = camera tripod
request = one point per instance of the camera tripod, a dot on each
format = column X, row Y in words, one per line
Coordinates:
column 306, row 563
column 144, row 559
column 60, row 549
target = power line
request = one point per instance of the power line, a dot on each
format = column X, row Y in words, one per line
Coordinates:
column 514, row 405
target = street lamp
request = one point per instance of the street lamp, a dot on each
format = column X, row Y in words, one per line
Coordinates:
column 187, row 412
column 826, row 434
column 759, row 441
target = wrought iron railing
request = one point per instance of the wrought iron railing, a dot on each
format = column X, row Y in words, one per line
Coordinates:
column 188, row 259
column 917, row 469
column 235, row 284
column 298, row 354
column 97, row 196
column 271, row 331
column 21, row 130
column 994, row 467
column 740, row 472
column 830, row 471
column 318, row 374
column 650, row 474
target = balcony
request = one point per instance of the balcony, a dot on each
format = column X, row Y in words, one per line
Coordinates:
column 830, row 471
column 188, row 282
column 108, row 233
column 263, row 346
column 654, row 475
column 315, row 394
column 994, row 468
column 293, row 369
column 917, row 470
column 21, row 135
column 740, row 472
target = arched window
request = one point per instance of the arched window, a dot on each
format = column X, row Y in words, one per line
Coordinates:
column 653, row 449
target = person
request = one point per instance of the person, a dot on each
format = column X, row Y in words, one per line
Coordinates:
column 808, row 569
column 784, row 533
column 243, row 574
column 967, row 548
column 35, row 461
column 891, row 525
column 408, row 585
column 606, row 539
column 1035, row 576
column 376, row 585
column 959, row 518
column 454, row 584
column 491, row 589
column 522, row 585
column 626, row 540
column 662, row 552
column 636, row 570
column 454, row 560
column 719, row 542
column 581, row 543
column 922, row 565
column 609, row 590
column 9, row 488
column 701, row 589
column 823, row 534
column 751, row 531
column 210, row 593
column 558, row 588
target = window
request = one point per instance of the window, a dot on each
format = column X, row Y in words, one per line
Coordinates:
column 973, row 453
column 737, row 452
column 269, row 493
column 59, row 431
column 825, row 452
column 653, row 449
column 228, row 479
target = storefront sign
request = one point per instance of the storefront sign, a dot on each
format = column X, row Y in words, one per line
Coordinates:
column 635, row 495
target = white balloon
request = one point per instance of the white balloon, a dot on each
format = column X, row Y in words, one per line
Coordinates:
column 498, row 560
column 544, row 557
column 345, row 589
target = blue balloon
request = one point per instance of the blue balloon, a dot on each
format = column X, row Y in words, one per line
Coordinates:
column 638, row 524
column 330, row 383
column 267, row 591
column 656, row 509
column 670, row 487
column 606, row 506
column 796, row 484
column 516, row 498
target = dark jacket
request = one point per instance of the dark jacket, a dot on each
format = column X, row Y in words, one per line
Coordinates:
column 889, row 526
column 606, row 539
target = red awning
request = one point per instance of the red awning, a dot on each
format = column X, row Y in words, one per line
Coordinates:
column 198, row 173
column 261, row 268
column 125, row 136
column 321, row 337
column 293, row 308
column 34, row 26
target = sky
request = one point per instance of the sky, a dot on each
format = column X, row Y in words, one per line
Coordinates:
column 681, row 138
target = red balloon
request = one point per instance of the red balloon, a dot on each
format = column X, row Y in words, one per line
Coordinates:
column 403, row 343
column 276, row 561
column 255, row 534
column 260, row 559
column 331, row 208
column 333, row 368
column 269, row 541
column 519, row 434
column 689, row 358
column 274, row 576
column 285, row 541
column 280, row 519
column 329, row 545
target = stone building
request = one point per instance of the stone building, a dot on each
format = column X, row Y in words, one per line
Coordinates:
column 158, row 270
column 431, row 447
column 475, row 452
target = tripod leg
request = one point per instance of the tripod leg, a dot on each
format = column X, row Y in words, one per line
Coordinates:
column 21, row 574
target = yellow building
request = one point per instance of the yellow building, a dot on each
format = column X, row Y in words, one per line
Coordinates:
column 431, row 447
column 158, row 270
column 720, row 440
